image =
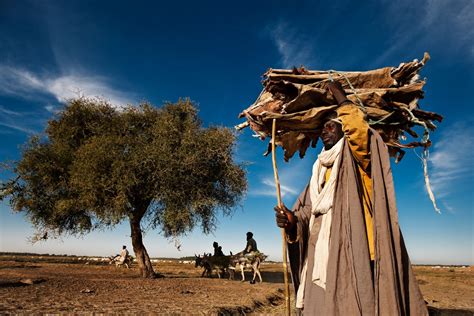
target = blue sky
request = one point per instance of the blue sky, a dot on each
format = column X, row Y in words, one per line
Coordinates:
column 215, row 53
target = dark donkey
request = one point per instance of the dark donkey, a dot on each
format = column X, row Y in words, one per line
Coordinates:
column 210, row 263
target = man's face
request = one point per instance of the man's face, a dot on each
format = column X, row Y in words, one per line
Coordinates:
column 331, row 134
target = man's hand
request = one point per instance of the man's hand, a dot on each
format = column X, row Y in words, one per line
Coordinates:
column 338, row 92
column 285, row 218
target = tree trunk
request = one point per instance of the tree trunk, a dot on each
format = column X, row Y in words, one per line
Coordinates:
column 143, row 259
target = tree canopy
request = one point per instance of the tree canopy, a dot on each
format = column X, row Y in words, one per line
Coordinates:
column 99, row 165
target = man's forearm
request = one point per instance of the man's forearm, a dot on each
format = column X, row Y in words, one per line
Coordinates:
column 338, row 92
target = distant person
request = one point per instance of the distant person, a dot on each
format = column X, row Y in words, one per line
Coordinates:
column 123, row 254
column 217, row 249
column 251, row 247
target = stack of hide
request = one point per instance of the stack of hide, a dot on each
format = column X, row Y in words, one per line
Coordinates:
column 299, row 101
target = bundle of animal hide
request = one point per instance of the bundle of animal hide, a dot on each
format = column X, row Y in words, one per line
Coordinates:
column 299, row 101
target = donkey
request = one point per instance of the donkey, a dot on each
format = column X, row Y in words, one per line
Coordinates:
column 202, row 262
column 248, row 262
column 210, row 263
column 118, row 262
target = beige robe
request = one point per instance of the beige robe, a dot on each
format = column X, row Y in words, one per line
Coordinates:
column 351, row 288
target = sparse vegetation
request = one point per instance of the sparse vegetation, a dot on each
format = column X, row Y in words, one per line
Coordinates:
column 98, row 166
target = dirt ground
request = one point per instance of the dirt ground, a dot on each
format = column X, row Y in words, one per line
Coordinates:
column 85, row 288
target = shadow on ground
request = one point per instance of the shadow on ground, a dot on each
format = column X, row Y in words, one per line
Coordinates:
column 449, row 312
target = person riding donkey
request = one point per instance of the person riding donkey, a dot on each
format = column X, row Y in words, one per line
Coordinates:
column 250, row 250
column 123, row 254
column 346, row 251
column 217, row 249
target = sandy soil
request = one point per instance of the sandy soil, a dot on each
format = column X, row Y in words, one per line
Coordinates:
column 80, row 288
column 447, row 288
column 86, row 288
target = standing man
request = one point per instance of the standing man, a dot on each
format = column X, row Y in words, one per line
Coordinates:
column 346, row 251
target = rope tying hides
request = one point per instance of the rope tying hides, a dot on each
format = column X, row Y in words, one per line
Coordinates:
column 341, row 74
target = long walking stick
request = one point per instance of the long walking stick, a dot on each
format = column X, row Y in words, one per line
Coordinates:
column 283, row 234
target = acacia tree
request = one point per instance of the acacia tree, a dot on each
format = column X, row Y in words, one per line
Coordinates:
column 99, row 166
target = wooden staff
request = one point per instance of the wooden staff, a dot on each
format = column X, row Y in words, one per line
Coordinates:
column 283, row 234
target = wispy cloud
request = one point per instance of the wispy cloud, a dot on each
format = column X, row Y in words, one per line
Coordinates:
column 294, row 47
column 6, row 111
column 294, row 176
column 18, row 127
column 15, row 121
column 422, row 23
column 451, row 158
column 22, row 83
column 268, row 188
column 24, row 122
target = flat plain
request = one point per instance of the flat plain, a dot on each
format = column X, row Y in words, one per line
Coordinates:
column 65, row 285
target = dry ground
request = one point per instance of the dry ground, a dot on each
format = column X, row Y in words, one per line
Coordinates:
column 86, row 288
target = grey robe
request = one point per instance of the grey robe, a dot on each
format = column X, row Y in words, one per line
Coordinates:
column 351, row 289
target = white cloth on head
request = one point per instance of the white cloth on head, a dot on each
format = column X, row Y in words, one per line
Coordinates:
column 322, row 200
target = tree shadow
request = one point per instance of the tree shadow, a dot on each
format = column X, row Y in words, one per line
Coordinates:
column 433, row 311
column 267, row 277
column 8, row 284
column 16, row 283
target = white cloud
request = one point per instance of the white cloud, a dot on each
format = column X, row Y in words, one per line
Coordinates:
column 64, row 88
column 16, row 81
column 269, row 189
column 22, row 83
column 451, row 158
column 294, row 48
column 50, row 108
